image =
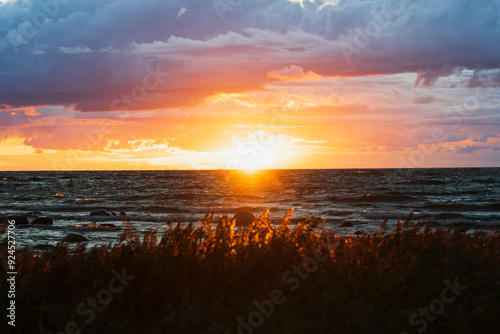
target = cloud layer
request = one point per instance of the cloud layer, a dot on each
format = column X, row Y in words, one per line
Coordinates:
column 72, row 52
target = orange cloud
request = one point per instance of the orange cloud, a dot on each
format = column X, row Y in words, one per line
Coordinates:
column 293, row 73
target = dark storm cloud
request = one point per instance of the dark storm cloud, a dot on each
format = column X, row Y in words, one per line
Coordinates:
column 89, row 53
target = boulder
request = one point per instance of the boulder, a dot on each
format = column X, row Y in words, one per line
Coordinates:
column 107, row 225
column 100, row 213
column 43, row 221
column 347, row 224
column 243, row 218
column 114, row 213
column 122, row 213
column 20, row 220
column 72, row 237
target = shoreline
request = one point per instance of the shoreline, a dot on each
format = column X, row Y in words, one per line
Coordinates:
column 101, row 230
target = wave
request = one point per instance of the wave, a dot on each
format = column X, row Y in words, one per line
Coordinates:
column 166, row 209
column 422, row 182
column 449, row 215
column 64, row 208
column 489, row 180
column 494, row 207
column 390, row 215
column 341, row 213
column 373, row 198
column 425, row 192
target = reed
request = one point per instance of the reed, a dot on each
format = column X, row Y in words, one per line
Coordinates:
column 208, row 278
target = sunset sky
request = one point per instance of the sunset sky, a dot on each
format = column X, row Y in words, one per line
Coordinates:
column 156, row 84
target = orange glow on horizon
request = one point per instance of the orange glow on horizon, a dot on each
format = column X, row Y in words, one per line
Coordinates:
column 298, row 120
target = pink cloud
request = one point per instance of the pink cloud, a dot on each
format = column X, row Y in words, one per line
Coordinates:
column 293, row 73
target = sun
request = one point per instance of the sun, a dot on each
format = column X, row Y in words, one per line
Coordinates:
column 261, row 159
column 251, row 159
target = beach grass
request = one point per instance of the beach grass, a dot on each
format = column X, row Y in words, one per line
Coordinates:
column 264, row 278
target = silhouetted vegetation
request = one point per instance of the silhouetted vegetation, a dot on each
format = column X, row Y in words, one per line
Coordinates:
column 201, row 278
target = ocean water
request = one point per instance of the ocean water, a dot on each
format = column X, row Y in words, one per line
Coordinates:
column 464, row 196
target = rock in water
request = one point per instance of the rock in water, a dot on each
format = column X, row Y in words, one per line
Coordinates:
column 43, row 221
column 243, row 218
column 347, row 224
column 20, row 220
column 72, row 237
column 100, row 213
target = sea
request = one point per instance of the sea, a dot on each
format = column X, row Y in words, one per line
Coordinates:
column 466, row 197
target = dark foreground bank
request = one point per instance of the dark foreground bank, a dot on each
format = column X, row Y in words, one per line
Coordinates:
column 261, row 279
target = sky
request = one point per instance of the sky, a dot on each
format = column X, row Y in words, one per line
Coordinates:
column 249, row 84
